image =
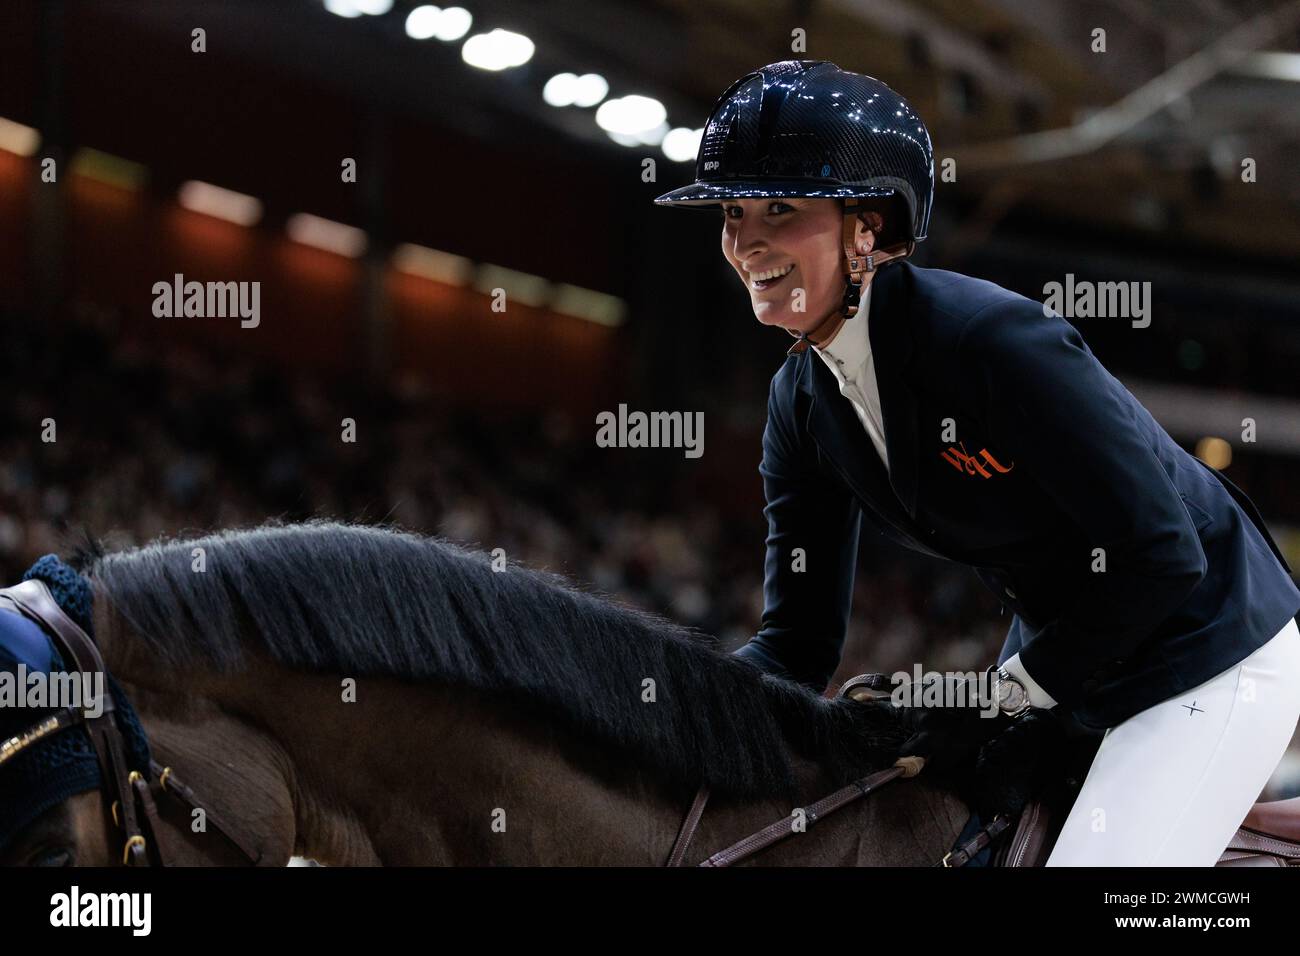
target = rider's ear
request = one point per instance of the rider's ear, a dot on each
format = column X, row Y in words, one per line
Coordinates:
column 870, row 225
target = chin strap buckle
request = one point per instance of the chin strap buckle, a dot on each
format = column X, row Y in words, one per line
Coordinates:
column 856, row 267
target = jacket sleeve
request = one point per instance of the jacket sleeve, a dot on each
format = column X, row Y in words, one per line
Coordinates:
column 806, row 597
column 1056, row 412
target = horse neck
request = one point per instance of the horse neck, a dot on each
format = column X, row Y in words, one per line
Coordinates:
column 438, row 775
column 448, row 776
column 404, row 773
column 409, row 773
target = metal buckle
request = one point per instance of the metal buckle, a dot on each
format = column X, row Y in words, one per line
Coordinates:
column 136, row 840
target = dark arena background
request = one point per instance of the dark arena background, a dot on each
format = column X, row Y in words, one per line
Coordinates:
column 448, row 217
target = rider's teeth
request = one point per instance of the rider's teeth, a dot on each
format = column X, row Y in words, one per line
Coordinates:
column 771, row 274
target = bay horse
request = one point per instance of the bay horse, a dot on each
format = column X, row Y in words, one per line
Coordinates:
column 362, row 695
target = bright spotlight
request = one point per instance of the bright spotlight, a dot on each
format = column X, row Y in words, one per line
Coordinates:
column 681, row 144
column 560, row 89
column 630, row 115
column 498, row 50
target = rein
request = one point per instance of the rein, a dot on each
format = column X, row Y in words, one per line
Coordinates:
column 857, row 688
column 126, row 792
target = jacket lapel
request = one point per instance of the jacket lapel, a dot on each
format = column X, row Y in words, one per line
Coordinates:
column 835, row 426
column 891, row 350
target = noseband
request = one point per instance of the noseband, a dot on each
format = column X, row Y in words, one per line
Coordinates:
column 127, row 794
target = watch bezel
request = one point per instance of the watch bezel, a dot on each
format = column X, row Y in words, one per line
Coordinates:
column 1014, row 689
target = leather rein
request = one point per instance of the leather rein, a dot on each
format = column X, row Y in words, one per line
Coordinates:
column 784, row 828
column 127, row 793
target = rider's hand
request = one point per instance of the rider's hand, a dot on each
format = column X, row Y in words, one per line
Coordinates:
column 1019, row 764
column 949, row 733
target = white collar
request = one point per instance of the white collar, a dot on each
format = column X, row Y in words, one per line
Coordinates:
column 852, row 343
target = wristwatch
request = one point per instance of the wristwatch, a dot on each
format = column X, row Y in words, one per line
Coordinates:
column 1010, row 694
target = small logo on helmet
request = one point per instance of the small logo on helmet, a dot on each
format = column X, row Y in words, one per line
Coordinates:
column 826, row 170
column 711, row 165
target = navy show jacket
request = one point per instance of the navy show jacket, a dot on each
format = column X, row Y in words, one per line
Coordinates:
column 1051, row 459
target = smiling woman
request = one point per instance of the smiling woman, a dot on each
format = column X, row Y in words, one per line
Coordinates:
column 788, row 254
column 876, row 419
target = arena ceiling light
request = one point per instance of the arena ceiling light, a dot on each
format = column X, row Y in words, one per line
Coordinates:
column 219, row 203
column 591, row 89
column 681, row 144
column 355, row 8
column 444, row 267
column 569, row 89
column 428, row 22
column 342, row 8
column 17, row 138
column 498, row 50
column 519, row 286
column 653, row 137
column 598, row 307
column 629, row 118
column 326, row 234
column 109, row 169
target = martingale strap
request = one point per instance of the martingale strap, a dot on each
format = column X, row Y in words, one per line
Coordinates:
column 126, row 792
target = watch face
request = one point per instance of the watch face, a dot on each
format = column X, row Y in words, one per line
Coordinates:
column 1011, row 696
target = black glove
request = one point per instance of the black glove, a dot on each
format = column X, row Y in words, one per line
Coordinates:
column 949, row 735
column 1018, row 765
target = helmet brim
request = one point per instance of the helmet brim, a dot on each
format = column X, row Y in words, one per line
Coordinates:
column 711, row 194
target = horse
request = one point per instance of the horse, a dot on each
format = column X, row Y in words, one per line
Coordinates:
column 363, row 695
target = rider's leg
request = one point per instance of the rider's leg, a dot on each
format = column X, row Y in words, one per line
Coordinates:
column 1170, row 786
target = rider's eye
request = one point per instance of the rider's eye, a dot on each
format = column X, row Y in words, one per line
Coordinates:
column 773, row 208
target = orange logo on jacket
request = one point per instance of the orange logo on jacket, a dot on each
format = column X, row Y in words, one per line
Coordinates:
column 971, row 465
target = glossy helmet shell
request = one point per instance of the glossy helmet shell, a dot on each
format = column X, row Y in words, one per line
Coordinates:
column 808, row 128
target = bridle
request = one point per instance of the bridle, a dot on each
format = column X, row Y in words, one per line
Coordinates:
column 126, row 792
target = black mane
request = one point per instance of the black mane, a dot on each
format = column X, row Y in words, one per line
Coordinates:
column 373, row 601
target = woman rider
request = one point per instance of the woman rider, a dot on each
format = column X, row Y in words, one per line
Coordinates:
column 971, row 424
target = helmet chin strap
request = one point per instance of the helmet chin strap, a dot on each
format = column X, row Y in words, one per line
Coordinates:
column 855, row 267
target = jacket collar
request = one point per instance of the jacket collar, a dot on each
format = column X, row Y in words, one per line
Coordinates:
column 835, row 427
column 851, row 345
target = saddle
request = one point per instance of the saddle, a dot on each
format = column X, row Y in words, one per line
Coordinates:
column 1268, row 836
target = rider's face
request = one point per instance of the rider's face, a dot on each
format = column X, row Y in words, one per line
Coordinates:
column 801, row 235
